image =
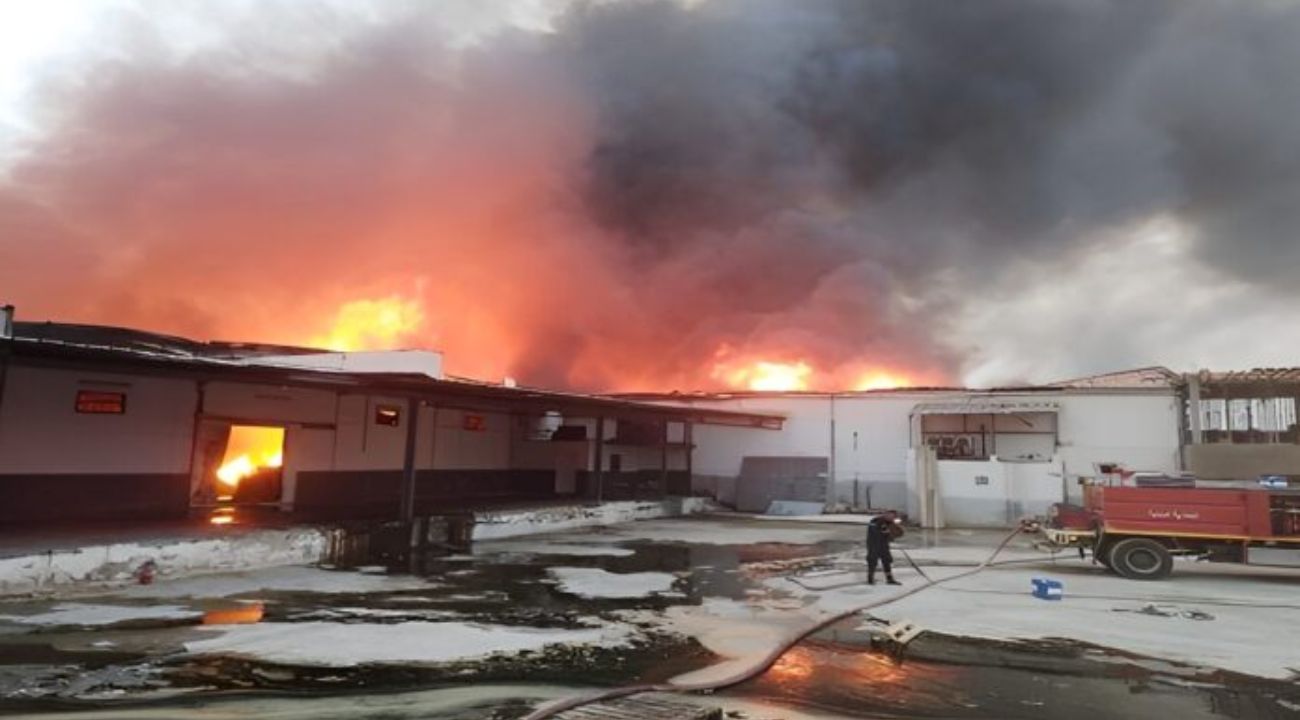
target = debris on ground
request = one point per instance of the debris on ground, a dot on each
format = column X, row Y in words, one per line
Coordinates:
column 1167, row 611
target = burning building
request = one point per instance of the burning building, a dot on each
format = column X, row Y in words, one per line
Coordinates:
column 962, row 457
column 108, row 423
column 100, row 423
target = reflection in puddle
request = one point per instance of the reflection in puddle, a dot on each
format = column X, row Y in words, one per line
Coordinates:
column 856, row 683
column 519, row 590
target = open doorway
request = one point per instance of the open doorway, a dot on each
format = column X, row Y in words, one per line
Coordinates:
column 237, row 465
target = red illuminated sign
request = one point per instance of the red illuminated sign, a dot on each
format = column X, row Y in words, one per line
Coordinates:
column 97, row 402
column 475, row 423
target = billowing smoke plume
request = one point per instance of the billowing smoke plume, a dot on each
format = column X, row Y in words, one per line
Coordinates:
column 656, row 194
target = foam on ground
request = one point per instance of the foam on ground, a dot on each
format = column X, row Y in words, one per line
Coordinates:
column 328, row 644
column 598, row 584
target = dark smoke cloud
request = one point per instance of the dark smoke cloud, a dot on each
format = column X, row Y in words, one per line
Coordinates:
column 654, row 188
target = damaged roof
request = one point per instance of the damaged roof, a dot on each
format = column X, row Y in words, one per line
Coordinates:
column 110, row 349
column 1256, row 376
column 1154, row 376
column 131, row 339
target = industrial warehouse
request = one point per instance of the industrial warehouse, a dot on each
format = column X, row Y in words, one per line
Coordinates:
column 102, row 423
column 369, row 507
column 649, row 360
column 108, row 424
column 987, row 458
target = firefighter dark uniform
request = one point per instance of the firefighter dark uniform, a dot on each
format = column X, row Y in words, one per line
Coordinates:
column 880, row 532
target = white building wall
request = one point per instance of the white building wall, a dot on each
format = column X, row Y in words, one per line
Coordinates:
column 360, row 442
column 1033, row 487
column 720, row 449
column 40, row 431
column 994, row 493
column 268, row 403
column 308, row 448
column 1140, row 431
column 872, row 438
column 974, row 493
column 458, row 447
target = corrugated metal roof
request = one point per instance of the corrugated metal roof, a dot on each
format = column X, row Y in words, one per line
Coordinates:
column 1284, row 375
column 161, row 354
column 711, row 395
column 1155, row 376
column 985, row 406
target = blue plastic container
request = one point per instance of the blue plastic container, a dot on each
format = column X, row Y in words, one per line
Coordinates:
column 1047, row 588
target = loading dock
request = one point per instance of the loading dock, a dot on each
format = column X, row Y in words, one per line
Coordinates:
column 113, row 424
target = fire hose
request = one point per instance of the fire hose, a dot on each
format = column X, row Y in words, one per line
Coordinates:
column 772, row 657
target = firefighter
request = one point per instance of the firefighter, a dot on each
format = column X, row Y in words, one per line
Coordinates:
column 881, row 530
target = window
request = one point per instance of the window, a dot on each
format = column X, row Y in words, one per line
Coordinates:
column 389, row 415
column 616, row 463
column 1028, row 436
column 569, row 432
column 1247, row 420
column 98, row 402
column 954, row 446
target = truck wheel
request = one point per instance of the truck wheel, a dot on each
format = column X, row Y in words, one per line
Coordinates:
column 1141, row 559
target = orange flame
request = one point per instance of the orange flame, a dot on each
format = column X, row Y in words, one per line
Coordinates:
column 881, row 380
column 766, row 376
column 249, row 449
column 372, row 324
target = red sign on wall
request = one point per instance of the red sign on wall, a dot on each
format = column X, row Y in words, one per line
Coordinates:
column 475, row 423
column 96, row 402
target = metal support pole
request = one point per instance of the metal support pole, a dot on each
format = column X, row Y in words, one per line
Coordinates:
column 992, row 450
column 830, row 480
column 6, row 345
column 196, row 475
column 600, row 459
column 1194, row 409
column 1227, row 415
column 663, row 458
column 688, row 440
column 408, row 461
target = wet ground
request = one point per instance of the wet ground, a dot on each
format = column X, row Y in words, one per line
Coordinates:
column 492, row 633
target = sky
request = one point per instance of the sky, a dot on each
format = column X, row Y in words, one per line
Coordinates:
column 657, row 195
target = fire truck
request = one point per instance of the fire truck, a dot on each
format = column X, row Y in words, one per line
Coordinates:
column 1137, row 531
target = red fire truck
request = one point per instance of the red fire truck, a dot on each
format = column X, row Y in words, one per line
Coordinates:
column 1136, row 531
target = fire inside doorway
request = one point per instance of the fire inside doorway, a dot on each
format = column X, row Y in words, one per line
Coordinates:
column 238, row 466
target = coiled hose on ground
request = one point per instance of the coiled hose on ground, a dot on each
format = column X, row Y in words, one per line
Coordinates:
column 766, row 661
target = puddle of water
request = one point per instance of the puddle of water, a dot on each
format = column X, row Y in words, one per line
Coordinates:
column 482, row 702
column 516, row 589
column 861, row 684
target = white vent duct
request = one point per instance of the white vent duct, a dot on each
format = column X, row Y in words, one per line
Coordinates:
column 542, row 428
